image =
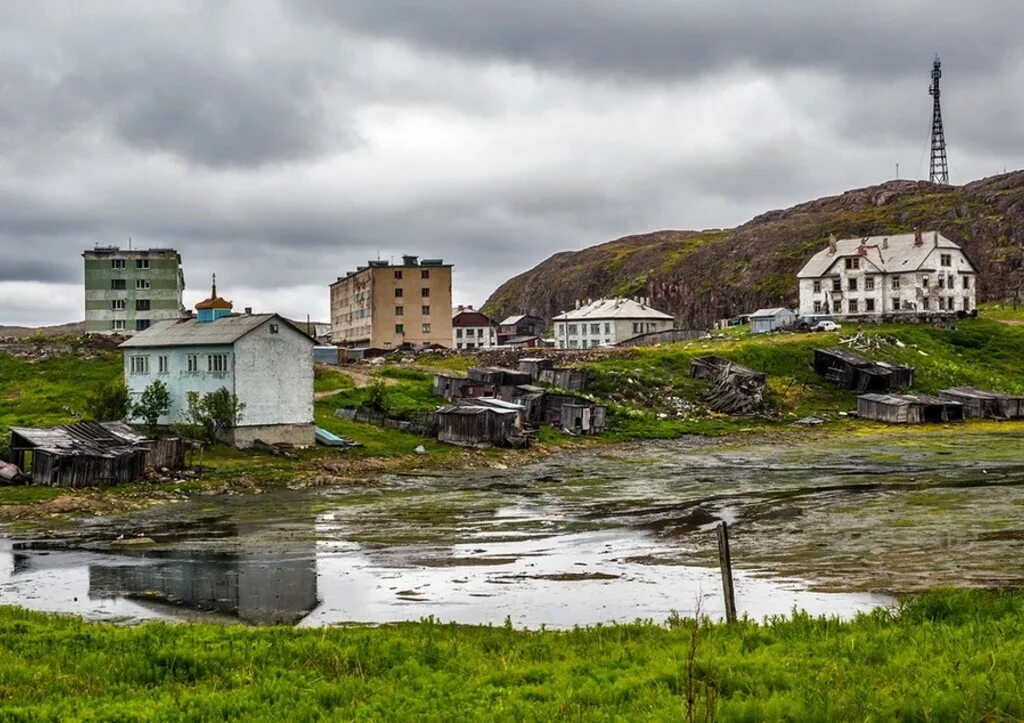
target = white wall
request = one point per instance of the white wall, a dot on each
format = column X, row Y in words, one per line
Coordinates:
column 578, row 334
column 481, row 337
column 178, row 379
column 274, row 376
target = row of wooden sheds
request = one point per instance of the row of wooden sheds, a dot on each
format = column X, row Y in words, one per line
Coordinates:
column 91, row 453
column 951, row 405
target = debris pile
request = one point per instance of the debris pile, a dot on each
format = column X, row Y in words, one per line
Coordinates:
column 735, row 389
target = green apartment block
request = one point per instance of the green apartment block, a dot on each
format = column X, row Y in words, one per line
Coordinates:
column 127, row 290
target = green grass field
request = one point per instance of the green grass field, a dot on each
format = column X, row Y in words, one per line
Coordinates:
column 943, row 656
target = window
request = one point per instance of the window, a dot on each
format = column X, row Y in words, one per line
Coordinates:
column 942, row 282
column 837, row 307
column 852, row 284
column 119, row 325
column 398, row 293
column 458, row 333
column 274, row 329
column 837, row 285
column 398, row 274
column 138, row 364
column 572, row 329
column 117, row 264
column 595, row 328
column 636, row 328
column 967, row 282
column 607, row 327
column 425, row 291
column 817, row 286
column 853, row 306
column 480, row 332
column 583, row 329
column 895, row 282
column 192, row 362
column 399, row 311
column 869, row 283
column 853, row 263
column 142, row 263
column 425, row 329
column 399, row 328
column 946, row 259
column 924, row 304
column 817, row 307
column 896, row 303
column 217, row 362
column 117, row 284
column 142, row 304
column 425, row 310
column 869, row 305
column 117, row 305
column 141, row 283
column 425, row 274
column 141, row 324
column 161, row 364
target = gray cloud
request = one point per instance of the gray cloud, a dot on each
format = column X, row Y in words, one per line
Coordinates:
column 281, row 144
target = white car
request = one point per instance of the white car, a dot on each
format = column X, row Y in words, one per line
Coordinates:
column 827, row 325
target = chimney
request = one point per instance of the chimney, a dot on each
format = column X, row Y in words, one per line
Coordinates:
column 885, row 242
column 248, row 311
column 577, row 303
column 831, row 243
column 918, row 238
column 935, row 237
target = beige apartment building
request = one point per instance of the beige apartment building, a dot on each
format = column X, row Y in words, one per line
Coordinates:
column 384, row 305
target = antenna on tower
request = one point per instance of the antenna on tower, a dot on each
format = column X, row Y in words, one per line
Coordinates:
column 939, row 171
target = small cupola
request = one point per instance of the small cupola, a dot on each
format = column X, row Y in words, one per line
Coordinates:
column 213, row 308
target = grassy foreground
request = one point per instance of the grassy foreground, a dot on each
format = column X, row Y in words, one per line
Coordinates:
column 944, row 656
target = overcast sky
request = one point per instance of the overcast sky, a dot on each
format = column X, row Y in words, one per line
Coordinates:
column 280, row 144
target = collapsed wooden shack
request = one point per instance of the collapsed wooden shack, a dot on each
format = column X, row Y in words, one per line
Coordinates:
column 853, row 371
column 573, row 380
column 908, row 408
column 735, row 389
column 535, row 365
column 476, row 426
column 579, row 419
column 91, row 453
column 532, row 399
column 984, row 404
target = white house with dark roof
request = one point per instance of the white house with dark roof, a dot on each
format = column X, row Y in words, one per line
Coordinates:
column 263, row 359
column 905, row 275
column 608, row 321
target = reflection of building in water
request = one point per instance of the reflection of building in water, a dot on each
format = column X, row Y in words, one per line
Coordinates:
column 272, row 588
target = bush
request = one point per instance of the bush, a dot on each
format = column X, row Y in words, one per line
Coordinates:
column 210, row 415
column 109, row 403
column 154, row 402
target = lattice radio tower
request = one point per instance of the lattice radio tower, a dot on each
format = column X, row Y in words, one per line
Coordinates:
column 939, row 172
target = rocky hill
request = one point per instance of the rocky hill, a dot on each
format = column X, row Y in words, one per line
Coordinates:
column 705, row 275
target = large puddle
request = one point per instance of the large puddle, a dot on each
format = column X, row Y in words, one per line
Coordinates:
column 590, row 538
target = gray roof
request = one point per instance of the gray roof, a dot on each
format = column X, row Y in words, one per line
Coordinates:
column 771, row 312
column 191, row 332
column 613, row 309
column 888, row 254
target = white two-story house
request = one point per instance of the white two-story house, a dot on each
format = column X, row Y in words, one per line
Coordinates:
column 608, row 321
column 263, row 359
column 921, row 274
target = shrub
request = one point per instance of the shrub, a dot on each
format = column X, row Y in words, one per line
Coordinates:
column 109, row 403
column 211, row 414
column 154, row 402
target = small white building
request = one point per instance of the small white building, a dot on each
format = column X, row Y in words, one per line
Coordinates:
column 263, row 359
column 607, row 321
column 473, row 330
column 902, row 276
column 765, row 320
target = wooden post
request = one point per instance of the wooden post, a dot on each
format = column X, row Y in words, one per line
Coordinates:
column 726, row 563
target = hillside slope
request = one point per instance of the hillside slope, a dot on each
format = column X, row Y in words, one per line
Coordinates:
column 701, row 276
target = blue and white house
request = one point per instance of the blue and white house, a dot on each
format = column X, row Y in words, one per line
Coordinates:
column 263, row 359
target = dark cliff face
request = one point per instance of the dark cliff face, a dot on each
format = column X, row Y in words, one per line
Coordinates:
column 701, row 276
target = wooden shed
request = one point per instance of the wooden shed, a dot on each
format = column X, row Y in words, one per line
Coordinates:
column 532, row 399
column 476, row 426
column 573, row 380
column 908, row 408
column 583, row 418
column 534, row 365
column 985, row 404
column 91, row 453
column 853, row 371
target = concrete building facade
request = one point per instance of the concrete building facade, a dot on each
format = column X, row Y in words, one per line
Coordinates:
column 127, row 290
column 608, row 321
column 385, row 306
column 263, row 359
column 914, row 275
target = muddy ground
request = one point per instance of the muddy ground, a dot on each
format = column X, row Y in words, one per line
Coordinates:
column 830, row 525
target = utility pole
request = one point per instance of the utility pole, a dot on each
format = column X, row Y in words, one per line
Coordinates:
column 939, row 171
